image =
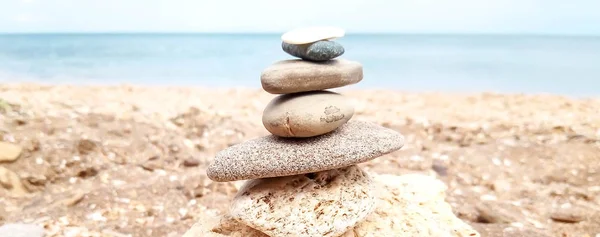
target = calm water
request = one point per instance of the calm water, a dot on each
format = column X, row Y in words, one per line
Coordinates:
column 566, row 65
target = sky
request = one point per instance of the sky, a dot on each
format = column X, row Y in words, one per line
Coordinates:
column 562, row 17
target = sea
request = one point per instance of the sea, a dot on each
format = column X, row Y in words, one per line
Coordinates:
column 567, row 65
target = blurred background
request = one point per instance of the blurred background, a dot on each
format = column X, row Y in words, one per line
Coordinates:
column 517, row 46
column 130, row 160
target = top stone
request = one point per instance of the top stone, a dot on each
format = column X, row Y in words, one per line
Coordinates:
column 312, row 34
column 272, row 156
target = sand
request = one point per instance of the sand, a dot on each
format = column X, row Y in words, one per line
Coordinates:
column 131, row 161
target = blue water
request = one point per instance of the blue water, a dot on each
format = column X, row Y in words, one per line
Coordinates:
column 529, row 64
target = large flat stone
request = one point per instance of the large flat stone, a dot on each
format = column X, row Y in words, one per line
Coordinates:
column 408, row 205
column 291, row 76
column 272, row 156
column 326, row 204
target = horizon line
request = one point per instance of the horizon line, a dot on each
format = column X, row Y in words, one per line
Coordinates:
column 279, row 33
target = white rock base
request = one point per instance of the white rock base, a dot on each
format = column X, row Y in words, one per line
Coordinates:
column 408, row 205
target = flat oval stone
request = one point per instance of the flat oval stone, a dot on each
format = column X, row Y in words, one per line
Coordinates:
column 318, row 51
column 312, row 34
column 272, row 156
column 326, row 203
column 306, row 114
column 292, row 76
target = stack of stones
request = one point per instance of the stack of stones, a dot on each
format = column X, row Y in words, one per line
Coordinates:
column 303, row 179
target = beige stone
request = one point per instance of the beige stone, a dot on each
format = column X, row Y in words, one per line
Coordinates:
column 296, row 75
column 10, row 181
column 9, row 152
column 272, row 156
column 221, row 226
column 412, row 205
column 407, row 205
column 307, row 35
column 318, row 204
column 307, row 114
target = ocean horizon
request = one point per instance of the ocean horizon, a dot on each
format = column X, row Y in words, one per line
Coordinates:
column 555, row 64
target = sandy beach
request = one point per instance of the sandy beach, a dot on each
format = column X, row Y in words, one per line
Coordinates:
column 131, row 160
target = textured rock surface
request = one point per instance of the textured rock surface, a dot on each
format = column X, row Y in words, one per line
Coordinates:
column 9, row 152
column 407, row 205
column 317, row 51
column 221, row 226
column 21, row 230
column 312, row 34
column 412, row 205
column 319, row 204
column 307, row 114
column 271, row 156
column 291, row 76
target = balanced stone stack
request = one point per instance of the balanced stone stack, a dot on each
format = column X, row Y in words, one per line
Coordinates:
column 303, row 179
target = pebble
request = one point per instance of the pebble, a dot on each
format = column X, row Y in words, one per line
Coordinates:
column 12, row 182
column 306, row 114
column 9, row 152
column 74, row 199
column 439, row 167
column 318, row 51
column 567, row 215
column 499, row 212
column 21, row 230
column 191, row 162
column 221, row 226
column 327, row 203
column 273, row 156
column 312, row 34
column 297, row 75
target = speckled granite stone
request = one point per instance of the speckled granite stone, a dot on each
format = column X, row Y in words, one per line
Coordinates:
column 326, row 204
column 318, row 51
column 272, row 156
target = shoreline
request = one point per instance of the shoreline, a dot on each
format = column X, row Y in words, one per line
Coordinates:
column 480, row 108
column 223, row 88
